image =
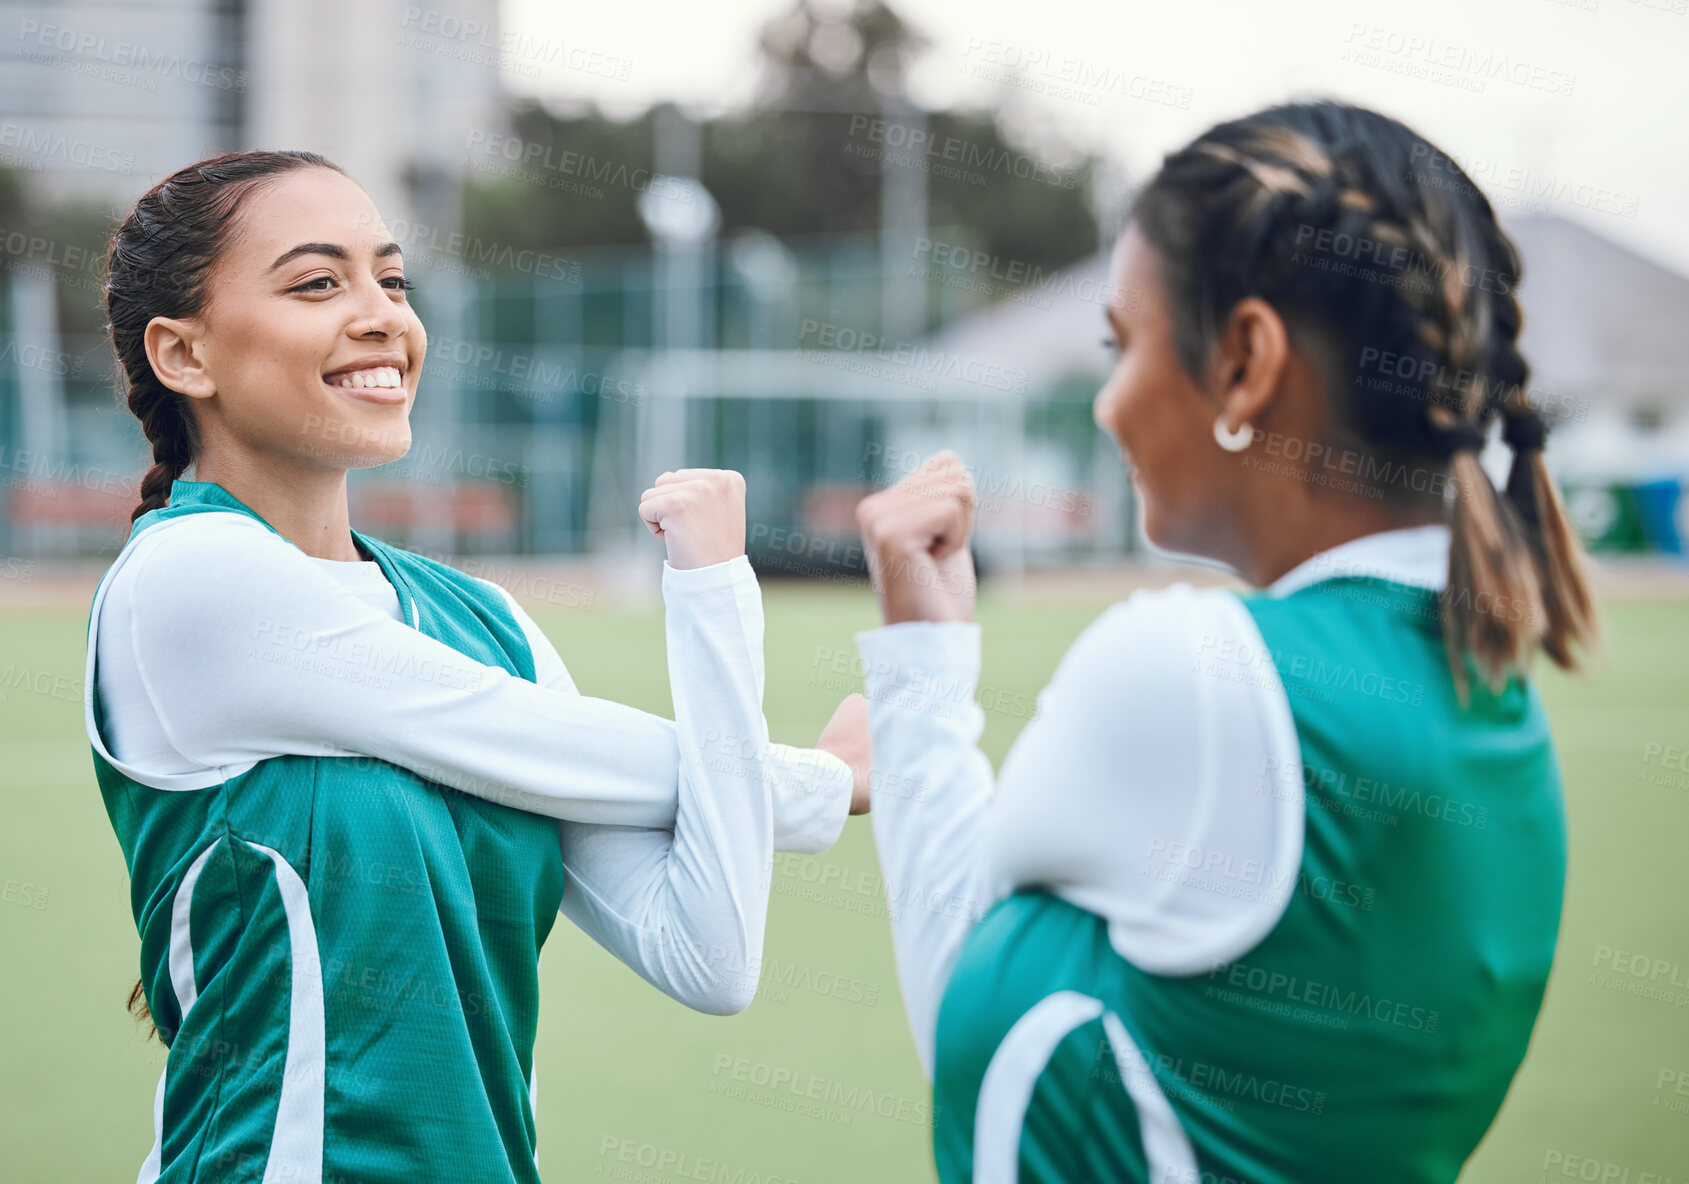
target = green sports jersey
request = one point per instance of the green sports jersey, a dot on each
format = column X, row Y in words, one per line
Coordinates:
column 1350, row 1043
column 342, row 955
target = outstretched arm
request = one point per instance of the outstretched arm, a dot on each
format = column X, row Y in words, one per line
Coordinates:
column 246, row 650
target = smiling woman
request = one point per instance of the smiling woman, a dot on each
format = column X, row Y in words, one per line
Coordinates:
column 354, row 786
column 284, row 371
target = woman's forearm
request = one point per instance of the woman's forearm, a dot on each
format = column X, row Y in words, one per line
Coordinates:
column 932, row 790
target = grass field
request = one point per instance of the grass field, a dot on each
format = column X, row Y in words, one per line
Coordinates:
column 624, row 1071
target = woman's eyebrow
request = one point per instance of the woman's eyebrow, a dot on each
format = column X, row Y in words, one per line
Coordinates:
column 331, row 250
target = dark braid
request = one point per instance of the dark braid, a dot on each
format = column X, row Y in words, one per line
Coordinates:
column 157, row 265
column 158, row 262
column 1269, row 206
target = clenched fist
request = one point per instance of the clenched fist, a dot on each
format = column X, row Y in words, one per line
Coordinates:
column 698, row 513
column 915, row 535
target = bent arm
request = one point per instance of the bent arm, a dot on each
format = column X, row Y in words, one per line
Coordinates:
column 688, row 909
column 810, row 787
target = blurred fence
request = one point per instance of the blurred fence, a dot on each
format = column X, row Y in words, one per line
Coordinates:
column 557, row 386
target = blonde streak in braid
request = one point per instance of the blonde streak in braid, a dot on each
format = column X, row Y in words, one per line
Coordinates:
column 1272, row 178
column 1569, row 616
column 1493, row 606
column 1569, row 607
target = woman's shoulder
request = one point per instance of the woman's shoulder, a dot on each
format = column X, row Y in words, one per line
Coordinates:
column 196, row 570
column 1174, row 627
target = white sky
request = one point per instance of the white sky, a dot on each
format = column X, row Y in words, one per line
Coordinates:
column 1617, row 141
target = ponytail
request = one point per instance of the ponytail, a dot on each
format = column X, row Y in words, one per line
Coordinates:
column 171, row 428
column 1231, row 215
column 157, row 265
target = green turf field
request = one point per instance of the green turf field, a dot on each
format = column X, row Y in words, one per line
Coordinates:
column 627, row 1076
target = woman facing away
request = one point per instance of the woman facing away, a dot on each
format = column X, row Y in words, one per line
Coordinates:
column 354, row 786
column 1268, row 890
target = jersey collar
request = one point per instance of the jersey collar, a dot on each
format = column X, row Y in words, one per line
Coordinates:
column 1417, row 556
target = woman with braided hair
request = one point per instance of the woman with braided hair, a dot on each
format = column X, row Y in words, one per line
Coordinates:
column 354, row 786
column 1268, row 891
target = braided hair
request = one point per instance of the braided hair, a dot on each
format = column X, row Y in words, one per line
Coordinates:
column 157, row 265
column 1355, row 228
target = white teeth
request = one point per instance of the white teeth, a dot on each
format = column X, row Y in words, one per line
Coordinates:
column 383, row 376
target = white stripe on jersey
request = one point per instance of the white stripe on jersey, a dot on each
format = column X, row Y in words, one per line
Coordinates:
column 1005, row 1092
column 1167, row 1149
column 296, row 1148
column 187, row 994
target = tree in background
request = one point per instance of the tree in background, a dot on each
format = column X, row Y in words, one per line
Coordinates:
column 806, row 156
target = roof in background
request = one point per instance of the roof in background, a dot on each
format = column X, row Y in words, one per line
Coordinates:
column 1601, row 322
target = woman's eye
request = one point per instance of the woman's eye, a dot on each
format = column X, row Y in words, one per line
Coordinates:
column 311, row 285
column 399, row 283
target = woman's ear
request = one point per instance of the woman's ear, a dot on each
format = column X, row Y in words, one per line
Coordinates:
column 173, row 350
column 1249, row 361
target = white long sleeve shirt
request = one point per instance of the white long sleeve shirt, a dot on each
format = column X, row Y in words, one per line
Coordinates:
column 220, row 644
column 1136, row 791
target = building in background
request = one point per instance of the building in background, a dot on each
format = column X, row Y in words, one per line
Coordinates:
column 821, row 366
column 99, row 100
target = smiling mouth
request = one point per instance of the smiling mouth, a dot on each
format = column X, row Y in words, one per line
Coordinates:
column 386, row 377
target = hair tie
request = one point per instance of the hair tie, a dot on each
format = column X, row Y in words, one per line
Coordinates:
column 1524, row 433
column 1457, row 437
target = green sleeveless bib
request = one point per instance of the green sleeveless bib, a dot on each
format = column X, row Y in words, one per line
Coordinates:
column 1372, row 1034
column 342, row 955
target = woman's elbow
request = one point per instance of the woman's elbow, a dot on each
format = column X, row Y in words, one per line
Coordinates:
column 726, row 994
column 722, row 983
column 727, row 999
